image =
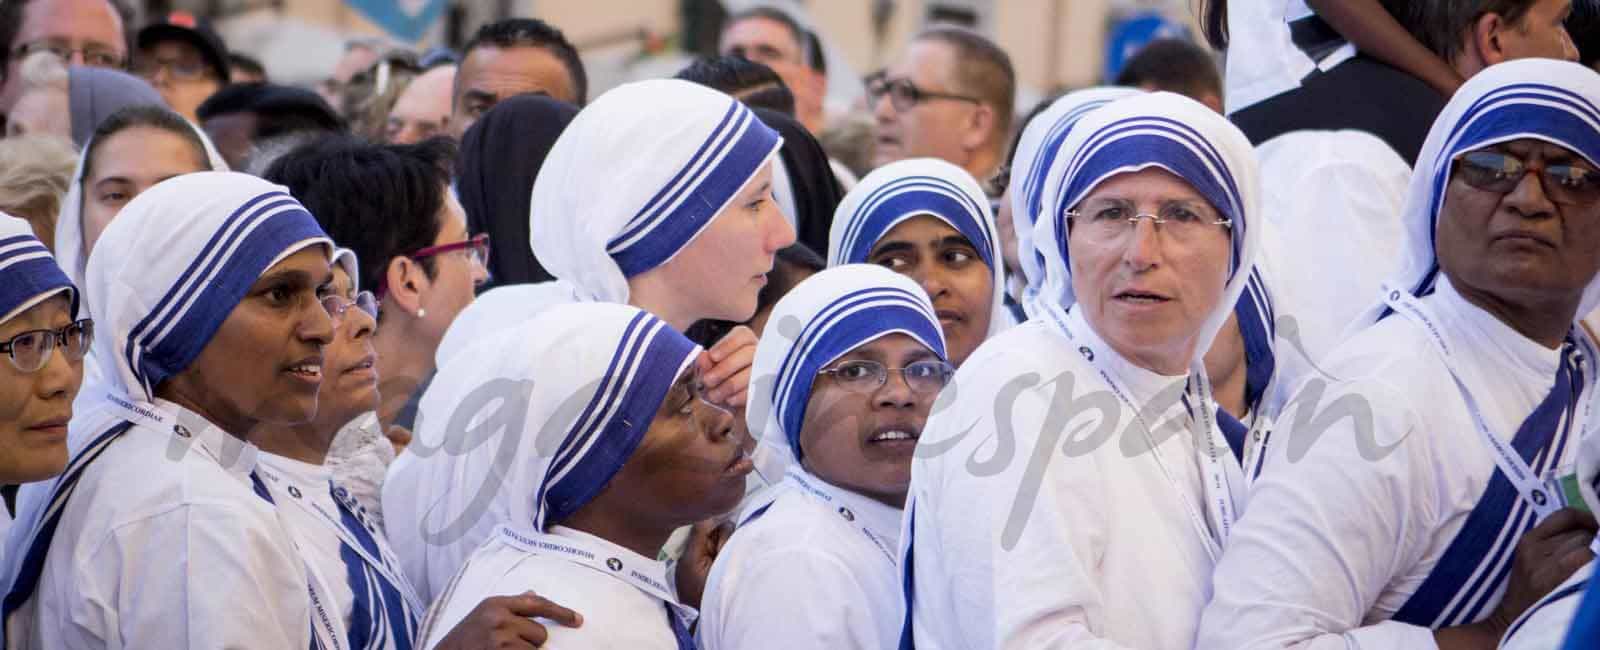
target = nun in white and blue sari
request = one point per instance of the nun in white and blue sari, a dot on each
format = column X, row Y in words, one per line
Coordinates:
column 1392, row 508
column 1106, row 489
column 902, row 191
column 160, row 533
column 640, row 175
column 602, row 399
column 816, row 567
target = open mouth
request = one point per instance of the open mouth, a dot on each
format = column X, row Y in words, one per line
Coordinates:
column 894, row 435
column 307, row 370
column 1142, row 297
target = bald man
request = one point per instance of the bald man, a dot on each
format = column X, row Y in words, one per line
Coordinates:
column 423, row 108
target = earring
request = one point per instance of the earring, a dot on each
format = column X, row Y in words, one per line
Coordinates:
column 421, row 312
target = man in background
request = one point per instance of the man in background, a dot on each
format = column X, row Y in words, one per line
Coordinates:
column 81, row 32
column 512, row 57
column 773, row 38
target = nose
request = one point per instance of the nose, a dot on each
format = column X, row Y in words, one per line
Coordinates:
column 316, row 326
column 781, row 234
column 930, row 278
column 1528, row 199
column 883, row 108
column 480, row 271
column 895, row 393
column 1143, row 249
column 60, row 376
column 359, row 324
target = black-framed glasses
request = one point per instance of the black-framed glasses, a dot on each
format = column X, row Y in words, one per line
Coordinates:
column 928, row 376
column 98, row 56
column 905, row 95
column 337, row 305
column 1494, row 171
column 31, row 350
column 1113, row 220
column 180, row 69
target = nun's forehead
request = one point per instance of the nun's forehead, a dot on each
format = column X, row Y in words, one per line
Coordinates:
column 1529, row 143
column 1151, row 177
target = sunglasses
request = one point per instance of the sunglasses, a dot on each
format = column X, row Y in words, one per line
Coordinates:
column 1493, row 171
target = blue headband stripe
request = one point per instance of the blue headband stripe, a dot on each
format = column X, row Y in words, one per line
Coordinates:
column 832, row 310
column 728, row 158
column 29, row 271
column 650, row 372
column 904, row 198
column 1254, row 312
column 1033, row 184
column 169, row 338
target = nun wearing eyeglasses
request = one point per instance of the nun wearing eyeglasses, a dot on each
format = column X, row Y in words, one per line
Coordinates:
column 373, row 604
column 1418, row 504
column 657, row 195
column 1075, row 490
column 44, row 343
column 619, row 448
column 850, row 389
column 928, row 219
column 161, row 533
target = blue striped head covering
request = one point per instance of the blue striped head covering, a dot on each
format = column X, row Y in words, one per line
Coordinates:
column 1171, row 132
column 586, row 389
column 28, row 273
column 916, row 187
column 1036, row 151
column 1542, row 99
column 821, row 319
column 176, row 261
column 636, row 176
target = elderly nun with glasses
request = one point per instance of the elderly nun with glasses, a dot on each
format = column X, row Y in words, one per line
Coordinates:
column 1421, row 502
column 1074, row 485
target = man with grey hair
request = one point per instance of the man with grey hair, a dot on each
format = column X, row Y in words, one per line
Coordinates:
column 81, row 32
column 950, row 95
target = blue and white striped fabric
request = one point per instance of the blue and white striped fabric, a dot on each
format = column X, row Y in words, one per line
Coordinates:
column 1176, row 134
column 28, row 273
column 819, row 320
column 218, row 232
column 1542, row 99
column 638, row 175
column 1036, row 152
column 916, row 187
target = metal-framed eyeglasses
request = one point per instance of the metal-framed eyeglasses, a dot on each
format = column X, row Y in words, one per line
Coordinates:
column 1179, row 220
column 337, row 305
column 31, row 350
column 928, row 376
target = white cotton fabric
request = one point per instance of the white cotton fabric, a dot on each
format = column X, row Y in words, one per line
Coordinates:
column 624, row 149
column 859, row 220
column 487, row 433
column 1030, row 429
column 498, row 309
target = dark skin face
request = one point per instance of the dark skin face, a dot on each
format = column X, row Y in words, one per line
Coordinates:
column 1521, row 256
column 265, row 362
column 948, row 267
column 689, row 466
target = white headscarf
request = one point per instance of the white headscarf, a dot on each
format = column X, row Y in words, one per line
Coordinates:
column 636, row 176
column 503, row 307
column 176, row 261
column 1036, row 151
column 586, row 389
column 915, row 187
column 1541, row 99
column 1176, row 134
column 28, row 274
column 821, row 319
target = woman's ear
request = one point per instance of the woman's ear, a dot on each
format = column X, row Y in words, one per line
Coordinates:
column 405, row 283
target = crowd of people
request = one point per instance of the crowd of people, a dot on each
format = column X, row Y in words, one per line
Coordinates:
column 446, row 352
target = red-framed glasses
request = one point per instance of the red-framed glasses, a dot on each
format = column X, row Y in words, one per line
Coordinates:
column 477, row 247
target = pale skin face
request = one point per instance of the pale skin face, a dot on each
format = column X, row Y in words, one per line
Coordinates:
column 490, row 74
column 770, row 43
column 78, row 24
column 184, row 95
column 35, row 406
column 124, row 166
column 456, row 275
column 423, row 109
column 948, row 129
column 719, row 274
column 843, row 435
column 1540, row 32
column 947, row 266
column 1145, row 292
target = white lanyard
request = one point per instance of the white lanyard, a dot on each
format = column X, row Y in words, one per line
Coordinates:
column 383, row 566
column 1217, row 484
column 581, row 552
column 1529, row 485
column 150, row 414
column 823, row 495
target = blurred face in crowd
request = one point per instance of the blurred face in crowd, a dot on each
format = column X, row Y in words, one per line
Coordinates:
column 350, row 386
column 859, row 435
column 423, row 109
column 720, row 273
column 772, row 44
column 234, row 135
column 126, row 164
column 934, row 127
column 356, row 58
column 1147, row 290
column 35, row 406
column 1521, row 238
column 88, row 32
column 456, row 274
column 490, row 74
column 265, row 364
column 178, row 71
column 947, row 265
